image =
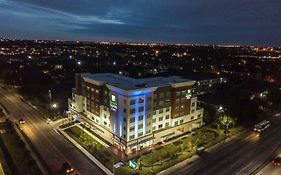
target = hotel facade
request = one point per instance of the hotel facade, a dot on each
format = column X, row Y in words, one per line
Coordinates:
column 135, row 113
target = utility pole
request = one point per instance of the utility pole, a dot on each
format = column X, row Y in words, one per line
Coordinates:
column 50, row 95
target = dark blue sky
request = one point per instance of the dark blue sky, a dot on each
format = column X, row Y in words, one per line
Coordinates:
column 246, row 22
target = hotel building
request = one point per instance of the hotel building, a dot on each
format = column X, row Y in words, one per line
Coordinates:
column 135, row 113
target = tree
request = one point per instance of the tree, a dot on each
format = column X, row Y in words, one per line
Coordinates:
column 209, row 115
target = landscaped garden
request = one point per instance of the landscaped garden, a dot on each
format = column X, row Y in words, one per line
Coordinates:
column 173, row 153
column 100, row 152
column 158, row 159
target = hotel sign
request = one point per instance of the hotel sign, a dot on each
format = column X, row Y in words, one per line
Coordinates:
column 113, row 103
column 188, row 94
column 133, row 164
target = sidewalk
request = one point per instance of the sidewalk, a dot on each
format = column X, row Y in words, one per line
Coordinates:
column 84, row 151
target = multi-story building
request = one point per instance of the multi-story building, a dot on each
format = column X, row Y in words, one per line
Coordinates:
column 136, row 113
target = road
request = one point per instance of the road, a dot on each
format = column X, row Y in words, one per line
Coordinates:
column 241, row 155
column 53, row 147
column 269, row 168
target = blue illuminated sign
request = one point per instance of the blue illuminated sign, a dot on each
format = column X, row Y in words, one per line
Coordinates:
column 133, row 164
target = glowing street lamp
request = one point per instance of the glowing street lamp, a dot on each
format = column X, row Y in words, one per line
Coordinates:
column 54, row 105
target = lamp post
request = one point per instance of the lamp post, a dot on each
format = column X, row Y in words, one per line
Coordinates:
column 54, row 107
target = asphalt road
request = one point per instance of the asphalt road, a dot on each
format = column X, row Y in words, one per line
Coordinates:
column 269, row 168
column 241, row 155
column 53, row 147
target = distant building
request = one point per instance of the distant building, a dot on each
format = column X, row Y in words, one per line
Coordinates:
column 136, row 113
column 209, row 84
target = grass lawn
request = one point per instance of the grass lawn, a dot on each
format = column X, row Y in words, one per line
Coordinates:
column 15, row 153
column 100, row 152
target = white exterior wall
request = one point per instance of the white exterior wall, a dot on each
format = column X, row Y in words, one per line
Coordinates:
column 76, row 102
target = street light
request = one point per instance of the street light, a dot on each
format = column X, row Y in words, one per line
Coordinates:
column 221, row 109
column 54, row 105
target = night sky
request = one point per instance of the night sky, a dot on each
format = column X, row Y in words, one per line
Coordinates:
column 245, row 22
